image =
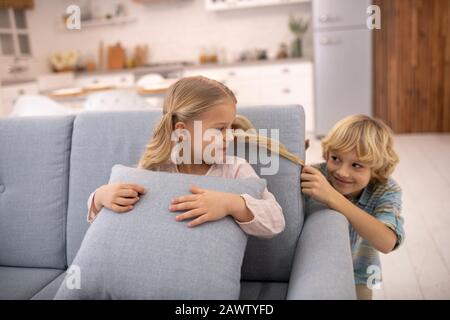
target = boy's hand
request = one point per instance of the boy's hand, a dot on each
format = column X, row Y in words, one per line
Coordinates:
column 204, row 205
column 118, row 197
column 315, row 185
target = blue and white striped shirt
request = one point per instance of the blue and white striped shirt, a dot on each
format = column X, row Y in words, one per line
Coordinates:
column 382, row 201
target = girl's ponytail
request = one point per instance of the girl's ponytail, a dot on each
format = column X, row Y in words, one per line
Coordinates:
column 243, row 128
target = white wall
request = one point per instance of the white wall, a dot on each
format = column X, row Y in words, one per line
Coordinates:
column 173, row 29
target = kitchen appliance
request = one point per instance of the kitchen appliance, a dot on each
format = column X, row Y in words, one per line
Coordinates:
column 342, row 61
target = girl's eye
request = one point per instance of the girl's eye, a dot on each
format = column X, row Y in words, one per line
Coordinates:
column 334, row 158
column 357, row 165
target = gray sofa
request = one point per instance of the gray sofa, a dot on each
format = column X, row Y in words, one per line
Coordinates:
column 49, row 166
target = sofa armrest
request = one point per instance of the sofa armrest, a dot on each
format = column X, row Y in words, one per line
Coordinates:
column 322, row 266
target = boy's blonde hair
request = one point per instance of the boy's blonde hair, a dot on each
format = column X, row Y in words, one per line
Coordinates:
column 372, row 140
column 186, row 100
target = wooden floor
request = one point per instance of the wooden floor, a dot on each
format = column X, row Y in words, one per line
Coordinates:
column 420, row 268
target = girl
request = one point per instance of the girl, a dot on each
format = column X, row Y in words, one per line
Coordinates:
column 355, row 181
column 200, row 99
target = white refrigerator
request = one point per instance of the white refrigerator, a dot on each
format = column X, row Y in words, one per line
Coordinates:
column 342, row 61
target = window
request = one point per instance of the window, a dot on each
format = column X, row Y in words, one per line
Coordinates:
column 14, row 37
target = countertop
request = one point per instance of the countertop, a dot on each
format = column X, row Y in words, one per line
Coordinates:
column 173, row 67
column 165, row 69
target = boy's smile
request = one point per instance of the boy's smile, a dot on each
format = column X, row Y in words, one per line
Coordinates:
column 348, row 175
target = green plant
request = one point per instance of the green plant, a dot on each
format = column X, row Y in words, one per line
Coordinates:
column 298, row 25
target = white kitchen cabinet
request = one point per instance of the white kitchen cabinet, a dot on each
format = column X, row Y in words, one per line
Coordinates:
column 9, row 94
column 52, row 81
column 268, row 84
column 247, row 92
column 215, row 5
column 119, row 80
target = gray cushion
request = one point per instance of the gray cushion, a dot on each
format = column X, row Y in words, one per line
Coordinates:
column 146, row 254
column 34, row 177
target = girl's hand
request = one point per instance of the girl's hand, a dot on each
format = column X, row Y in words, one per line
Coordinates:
column 118, row 197
column 205, row 205
column 315, row 185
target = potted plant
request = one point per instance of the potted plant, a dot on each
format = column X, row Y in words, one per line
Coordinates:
column 298, row 26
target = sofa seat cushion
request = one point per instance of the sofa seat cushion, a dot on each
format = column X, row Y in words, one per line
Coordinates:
column 250, row 290
column 147, row 254
column 49, row 291
column 18, row 283
column 263, row 290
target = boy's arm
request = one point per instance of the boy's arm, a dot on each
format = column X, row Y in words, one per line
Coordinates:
column 368, row 227
column 383, row 238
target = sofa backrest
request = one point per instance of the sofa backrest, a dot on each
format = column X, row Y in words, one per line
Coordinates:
column 34, row 177
column 102, row 139
column 271, row 259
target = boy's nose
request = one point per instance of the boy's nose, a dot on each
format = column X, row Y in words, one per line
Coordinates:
column 342, row 174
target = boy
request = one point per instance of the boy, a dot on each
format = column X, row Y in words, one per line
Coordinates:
column 355, row 181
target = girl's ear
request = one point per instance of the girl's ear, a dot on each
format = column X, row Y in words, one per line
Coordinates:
column 180, row 125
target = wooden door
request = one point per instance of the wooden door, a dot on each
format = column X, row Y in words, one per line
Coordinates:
column 412, row 65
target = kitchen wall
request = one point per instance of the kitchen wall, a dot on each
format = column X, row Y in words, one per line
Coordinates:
column 174, row 30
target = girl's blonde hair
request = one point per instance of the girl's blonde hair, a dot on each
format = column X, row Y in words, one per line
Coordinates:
column 186, row 100
column 372, row 140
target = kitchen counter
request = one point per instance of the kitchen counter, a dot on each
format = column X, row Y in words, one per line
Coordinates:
column 14, row 81
column 250, row 63
column 166, row 69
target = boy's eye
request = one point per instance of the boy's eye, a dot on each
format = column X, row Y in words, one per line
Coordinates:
column 357, row 165
column 334, row 158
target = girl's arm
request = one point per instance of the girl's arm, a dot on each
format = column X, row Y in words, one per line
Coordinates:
column 118, row 197
column 93, row 209
column 261, row 218
column 268, row 219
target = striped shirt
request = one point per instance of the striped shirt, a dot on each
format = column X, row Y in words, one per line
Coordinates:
column 382, row 201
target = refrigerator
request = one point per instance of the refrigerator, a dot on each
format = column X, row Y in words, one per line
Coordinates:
column 342, row 61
